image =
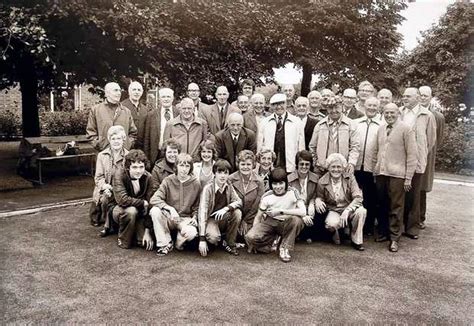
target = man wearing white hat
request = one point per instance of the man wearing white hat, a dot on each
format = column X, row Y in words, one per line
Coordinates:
column 281, row 132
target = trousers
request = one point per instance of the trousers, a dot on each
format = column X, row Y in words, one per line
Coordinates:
column 367, row 185
column 229, row 225
column 131, row 224
column 163, row 224
column 357, row 220
column 391, row 196
column 411, row 215
column 262, row 234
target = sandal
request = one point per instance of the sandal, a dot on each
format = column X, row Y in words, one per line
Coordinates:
column 231, row 250
column 163, row 251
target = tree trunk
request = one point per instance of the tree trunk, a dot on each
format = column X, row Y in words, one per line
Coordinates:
column 29, row 99
column 307, row 76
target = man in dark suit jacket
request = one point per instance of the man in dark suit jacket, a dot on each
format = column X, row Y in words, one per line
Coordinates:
column 151, row 137
column 233, row 139
column 302, row 110
column 217, row 114
column 349, row 99
column 138, row 109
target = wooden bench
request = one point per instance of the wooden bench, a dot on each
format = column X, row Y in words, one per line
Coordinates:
column 35, row 151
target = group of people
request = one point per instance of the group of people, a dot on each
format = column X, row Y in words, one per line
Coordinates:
column 242, row 174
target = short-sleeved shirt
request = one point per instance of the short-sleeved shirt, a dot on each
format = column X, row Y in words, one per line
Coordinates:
column 287, row 201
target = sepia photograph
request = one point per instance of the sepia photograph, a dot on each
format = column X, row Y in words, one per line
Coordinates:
column 237, row 162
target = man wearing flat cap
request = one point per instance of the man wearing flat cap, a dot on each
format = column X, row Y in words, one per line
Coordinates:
column 281, row 132
column 336, row 133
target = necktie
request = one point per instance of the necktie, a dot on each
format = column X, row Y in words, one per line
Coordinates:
column 389, row 130
column 221, row 113
column 167, row 115
column 279, row 123
column 365, row 143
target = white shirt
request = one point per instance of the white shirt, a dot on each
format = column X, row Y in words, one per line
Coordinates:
column 136, row 186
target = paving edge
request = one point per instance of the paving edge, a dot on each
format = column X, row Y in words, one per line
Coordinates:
column 44, row 208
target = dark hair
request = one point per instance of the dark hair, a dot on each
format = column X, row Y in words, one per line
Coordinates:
column 304, row 155
column 208, row 144
column 136, row 156
column 183, row 157
column 247, row 81
column 222, row 165
column 170, row 142
column 278, row 175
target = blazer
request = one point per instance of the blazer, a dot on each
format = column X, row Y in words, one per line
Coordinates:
column 250, row 196
column 211, row 115
column 138, row 115
column 311, row 187
column 160, row 171
column 225, row 145
column 308, row 130
column 352, row 193
column 294, row 137
column 150, row 136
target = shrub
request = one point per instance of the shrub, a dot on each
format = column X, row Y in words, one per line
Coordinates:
column 64, row 123
column 10, row 124
column 453, row 153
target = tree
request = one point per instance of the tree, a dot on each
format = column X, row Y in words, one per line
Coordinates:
column 444, row 58
column 343, row 41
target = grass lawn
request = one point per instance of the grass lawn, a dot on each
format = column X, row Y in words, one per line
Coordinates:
column 56, row 270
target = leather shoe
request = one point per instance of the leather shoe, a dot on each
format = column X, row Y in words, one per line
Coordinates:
column 393, row 247
column 382, row 238
column 411, row 236
column 356, row 246
column 104, row 232
column 422, row 225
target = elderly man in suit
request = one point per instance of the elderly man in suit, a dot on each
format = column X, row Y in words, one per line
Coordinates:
column 302, row 110
column 155, row 123
column 193, row 93
column 422, row 121
column 138, row 110
column 255, row 113
column 427, row 179
column 349, row 99
column 281, row 132
column 216, row 115
column 107, row 114
column 233, row 139
column 336, row 133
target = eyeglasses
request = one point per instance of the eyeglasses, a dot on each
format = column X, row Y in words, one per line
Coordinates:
column 302, row 164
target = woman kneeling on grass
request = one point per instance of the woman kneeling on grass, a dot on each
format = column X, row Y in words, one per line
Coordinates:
column 109, row 160
column 176, row 205
column 339, row 199
column 281, row 213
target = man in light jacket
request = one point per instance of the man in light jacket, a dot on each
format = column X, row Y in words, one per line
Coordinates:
column 281, row 132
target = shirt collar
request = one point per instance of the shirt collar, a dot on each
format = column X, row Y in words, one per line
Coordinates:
column 217, row 187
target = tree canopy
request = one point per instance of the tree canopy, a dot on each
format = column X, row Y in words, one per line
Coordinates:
column 445, row 57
